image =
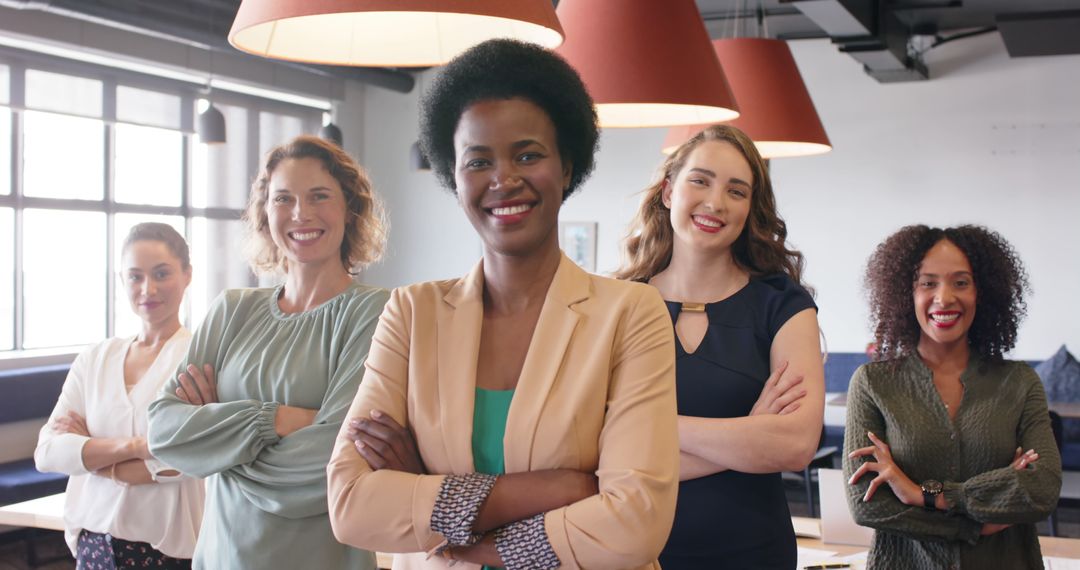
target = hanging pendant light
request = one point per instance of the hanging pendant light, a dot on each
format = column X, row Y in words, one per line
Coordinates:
column 646, row 63
column 777, row 112
column 332, row 133
column 211, row 126
column 417, row 160
column 390, row 33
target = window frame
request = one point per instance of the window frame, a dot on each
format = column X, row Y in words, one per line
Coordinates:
column 18, row 62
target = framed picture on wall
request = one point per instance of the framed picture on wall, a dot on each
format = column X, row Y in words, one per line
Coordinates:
column 578, row 240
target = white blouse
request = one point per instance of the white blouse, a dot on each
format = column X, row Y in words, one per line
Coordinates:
column 166, row 515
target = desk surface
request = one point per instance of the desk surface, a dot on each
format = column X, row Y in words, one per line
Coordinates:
column 1051, row 546
column 47, row 513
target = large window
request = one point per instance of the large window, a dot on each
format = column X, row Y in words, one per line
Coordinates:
column 95, row 152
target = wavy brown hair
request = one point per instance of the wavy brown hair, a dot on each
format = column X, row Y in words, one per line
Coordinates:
column 365, row 223
column 1000, row 285
column 760, row 249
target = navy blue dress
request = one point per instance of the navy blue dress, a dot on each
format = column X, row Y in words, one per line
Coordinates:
column 732, row 519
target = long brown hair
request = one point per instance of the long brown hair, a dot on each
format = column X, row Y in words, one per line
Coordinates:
column 761, row 249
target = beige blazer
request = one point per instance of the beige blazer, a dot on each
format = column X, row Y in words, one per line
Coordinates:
column 596, row 393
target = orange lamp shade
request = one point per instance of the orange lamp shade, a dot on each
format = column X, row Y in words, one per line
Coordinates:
column 389, row 33
column 646, row 63
column 777, row 112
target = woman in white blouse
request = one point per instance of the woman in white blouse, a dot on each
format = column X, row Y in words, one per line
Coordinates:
column 123, row 508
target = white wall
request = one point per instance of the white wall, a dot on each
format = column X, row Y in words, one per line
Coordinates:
column 988, row 140
column 429, row 235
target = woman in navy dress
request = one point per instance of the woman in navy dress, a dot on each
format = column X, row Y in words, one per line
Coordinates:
column 750, row 381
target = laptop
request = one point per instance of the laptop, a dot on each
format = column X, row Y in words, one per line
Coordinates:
column 837, row 526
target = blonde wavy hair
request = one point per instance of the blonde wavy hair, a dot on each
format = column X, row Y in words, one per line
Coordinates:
column 761, row 249
column 365, row 223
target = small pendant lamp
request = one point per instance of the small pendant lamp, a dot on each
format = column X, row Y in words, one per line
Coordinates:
column 211, row 126
column 646, row 63
column 388, row 33
column 777, row 112
column 417, row 160
column 332, row 133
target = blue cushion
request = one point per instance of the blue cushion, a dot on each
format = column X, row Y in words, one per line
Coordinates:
column 30, row 392
column 839, row 368
column 21, row 481
column 1061, row 376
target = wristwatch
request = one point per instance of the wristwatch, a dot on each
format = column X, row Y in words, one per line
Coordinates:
column 930, row 490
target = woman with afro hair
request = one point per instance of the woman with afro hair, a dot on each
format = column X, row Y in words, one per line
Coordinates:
column 522, row 416
column 949, row 452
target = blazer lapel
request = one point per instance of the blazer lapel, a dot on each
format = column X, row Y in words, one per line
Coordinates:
column 458, row 346
column 554, row 330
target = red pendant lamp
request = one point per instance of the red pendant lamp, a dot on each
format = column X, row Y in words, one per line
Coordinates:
column 777, row 112
column 646, row 63
column 388, row 33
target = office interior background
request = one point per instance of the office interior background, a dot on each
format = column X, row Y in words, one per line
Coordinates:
column 99, row 100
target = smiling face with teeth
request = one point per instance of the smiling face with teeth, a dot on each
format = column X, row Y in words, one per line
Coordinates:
column 305, row 213
column 945, row 295
column 709, row 197
column 510, row 176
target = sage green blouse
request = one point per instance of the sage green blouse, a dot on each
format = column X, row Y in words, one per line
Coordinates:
column 266, row 503
column 1003, row 406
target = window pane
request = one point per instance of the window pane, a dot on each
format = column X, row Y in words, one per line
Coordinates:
column 147, row 107
column 125, row 322
column 63, row 156
column 277, row 129
column 7, row 279
column 222, row 173
column 5, row 150
column 5, row 84
column 217, row 261
column 149, row 165
column 66, row 93
column 63, row 277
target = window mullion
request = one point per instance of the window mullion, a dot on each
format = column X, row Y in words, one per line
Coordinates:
column 17, row 77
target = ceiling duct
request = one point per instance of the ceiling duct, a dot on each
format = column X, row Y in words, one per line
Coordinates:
column 868, row 32
column 1040, row 33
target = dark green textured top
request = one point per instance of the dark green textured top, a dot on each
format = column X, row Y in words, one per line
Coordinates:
column 1003, row 407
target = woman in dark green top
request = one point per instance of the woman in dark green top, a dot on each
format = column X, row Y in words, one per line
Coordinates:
column 950, row 455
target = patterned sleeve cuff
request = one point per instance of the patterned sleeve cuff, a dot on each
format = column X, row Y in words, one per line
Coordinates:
column 457, row 505
column 524, row 545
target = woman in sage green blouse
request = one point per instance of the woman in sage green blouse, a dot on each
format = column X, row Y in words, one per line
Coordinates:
column 271, row 372
column 949, row 451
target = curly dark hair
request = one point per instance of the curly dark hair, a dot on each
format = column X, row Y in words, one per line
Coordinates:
column 1000, row 285
column 508, row 69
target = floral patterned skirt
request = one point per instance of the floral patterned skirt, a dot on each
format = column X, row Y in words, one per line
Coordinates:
column 106, row 552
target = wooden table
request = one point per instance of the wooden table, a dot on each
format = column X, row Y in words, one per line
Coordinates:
column 1067, row 410
column 47, row 513
column 1055, row 547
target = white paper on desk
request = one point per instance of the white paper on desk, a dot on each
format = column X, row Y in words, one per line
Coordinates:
column 1055, row 563
column 805, row 527
column 811, row 556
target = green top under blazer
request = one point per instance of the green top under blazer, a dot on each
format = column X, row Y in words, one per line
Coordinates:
column 266, row 501
column 1003, row 407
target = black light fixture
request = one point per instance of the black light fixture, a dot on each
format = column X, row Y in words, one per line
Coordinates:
column 417, row 160
column 211, row 125
column 332, row 133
